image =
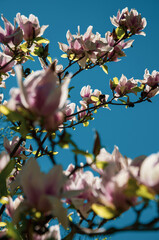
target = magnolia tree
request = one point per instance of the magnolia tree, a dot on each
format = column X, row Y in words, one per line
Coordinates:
column 83, row 198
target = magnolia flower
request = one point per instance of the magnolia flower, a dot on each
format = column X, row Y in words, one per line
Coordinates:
column 85, row 47
column 150, row 92
column 42, row 191
column 112, row 193
column 86, row 185
column 12, row 205
column 69, row 110
column 149, row 172
column 152, row 79
column 4, row 160
column 125, row 86
column 132, row 21
column 11, row 34
column 10, row 145
column 87, row 93
column 30, row 26
column 117, row 50
column 82, row 113
column 40, row 95
column 6, row 63
column 108, row 164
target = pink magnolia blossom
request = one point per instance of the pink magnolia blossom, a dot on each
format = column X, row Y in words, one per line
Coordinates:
column 30, row 26
column 112, row 193
column 125, row 86
column 12, row 205
column 69, row 110
column 149, row 172
column 40, row 95
column 109, row 164
column 6, row 63
column 11, row 34
column 117, row 52
column 10, row 145
column 132, row 21
column 150, row 92
column 42, row 191
column 152, row 79
column 86, row 94
column 87, row 47
column 86, row 184
column 82, row 108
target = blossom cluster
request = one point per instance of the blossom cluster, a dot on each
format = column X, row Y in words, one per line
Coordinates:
column 148, row 86
column 130, row 21
column 105, row 184
column 93, row 48
column 81, row 189
column 11, row 37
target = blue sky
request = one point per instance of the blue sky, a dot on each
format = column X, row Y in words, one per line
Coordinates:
column 135, row 131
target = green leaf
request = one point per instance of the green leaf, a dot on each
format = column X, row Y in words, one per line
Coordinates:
column 81, row 152
column 120, row 32
column 101, row 165
column 4, row 200
column 94, row 98
column 12, row 231
column 85, row 124
column 24, row 47
column 40, row 40
column 73, row 57
column 2, row 224
column 115, row 81
column 141, row 190
column 23, row 129
column 38, row 51
column 30, row 58
column 105, row 69
column 4, row 110
column 123, row 101
column 64, row 56
column 29, row 137
column 144, row 192
column 64, row 145
column 49, row 59
column 104, row 211
column 131, row 188
column 138, row 89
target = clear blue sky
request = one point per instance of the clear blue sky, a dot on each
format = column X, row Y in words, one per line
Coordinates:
column 135, row 131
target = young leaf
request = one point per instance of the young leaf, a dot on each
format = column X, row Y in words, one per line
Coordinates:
column 30, row 58
column 64, row 56
column 40, row 40
column 104, row 211
column 105, row 69
column 144, row 192
column 85, row 124
column 120, row 32
column 94, row 98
